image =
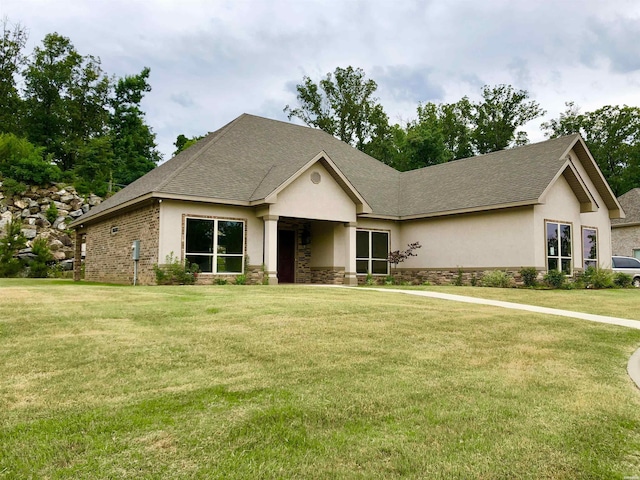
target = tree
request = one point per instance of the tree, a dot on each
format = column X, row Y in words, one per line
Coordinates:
column 24, row 162
column 342, row 104
column 497, row 117
column 12, row 241
column 134, row 146
column 12, row 42
column 612, row 134
column 182, row 142
column 66, row 98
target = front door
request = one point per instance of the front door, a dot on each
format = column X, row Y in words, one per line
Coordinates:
column 286, row 256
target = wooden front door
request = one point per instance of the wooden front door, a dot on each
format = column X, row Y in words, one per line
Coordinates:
column 286, row 256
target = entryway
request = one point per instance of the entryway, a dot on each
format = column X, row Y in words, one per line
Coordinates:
column 286, row 256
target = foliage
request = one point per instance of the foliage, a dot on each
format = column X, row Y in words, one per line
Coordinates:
column 390, row 280
column 597, row 278
column 39, row 266
column 12, row 59
column 343, row 105
column 241, row 279
column 400, row 256
column 221, row 281
column 12, row 187
column 496, row 278
column 175, row 272
column 182, row 142
column 24, row 162
column 369, row 280
column 555, row 278
column 134, row 146
column 457, row 281
column 529, row 276
column 622, row 280
column 612, row 134
column 12, row 241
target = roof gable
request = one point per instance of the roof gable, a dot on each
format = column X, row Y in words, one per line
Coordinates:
column 630, row 202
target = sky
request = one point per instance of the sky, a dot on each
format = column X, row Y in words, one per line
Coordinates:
column 212, row 60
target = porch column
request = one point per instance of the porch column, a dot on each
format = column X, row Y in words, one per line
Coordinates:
column 350, row 254
column 271, row 248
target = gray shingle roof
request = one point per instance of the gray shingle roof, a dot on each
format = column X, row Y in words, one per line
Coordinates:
column 630, row 202
column 250, row 157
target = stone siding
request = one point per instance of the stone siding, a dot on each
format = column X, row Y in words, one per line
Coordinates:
column 327, row 276
column 109, row 256
column 470, row 277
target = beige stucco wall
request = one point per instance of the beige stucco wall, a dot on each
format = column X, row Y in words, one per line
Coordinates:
column 322, row 201
column 561, row 204
column 171, row 226
column 498, row 239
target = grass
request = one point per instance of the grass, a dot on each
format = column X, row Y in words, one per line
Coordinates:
column 623, row 303
column 102, row 381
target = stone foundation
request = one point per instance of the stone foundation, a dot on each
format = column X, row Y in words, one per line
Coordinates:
column 469, row 277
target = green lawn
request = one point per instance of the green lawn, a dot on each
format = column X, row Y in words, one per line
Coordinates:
column 242, row 382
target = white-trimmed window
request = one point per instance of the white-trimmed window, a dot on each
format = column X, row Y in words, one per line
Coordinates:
column 590, row 247
column 216, row 246
column 559, row 247
column 372, row 252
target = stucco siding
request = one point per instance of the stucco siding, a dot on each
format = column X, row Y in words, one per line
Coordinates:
column 625, row 239
column 325, row 200
column 500, row 239
column 172, row 214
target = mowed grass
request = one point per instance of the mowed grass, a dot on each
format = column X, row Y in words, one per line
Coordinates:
column 103, row 381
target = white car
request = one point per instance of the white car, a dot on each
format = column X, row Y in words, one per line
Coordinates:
column 628, row 265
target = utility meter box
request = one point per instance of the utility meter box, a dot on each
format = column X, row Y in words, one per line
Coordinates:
column 135, row 248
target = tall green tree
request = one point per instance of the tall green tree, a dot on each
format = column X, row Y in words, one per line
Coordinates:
column 343, row 104
column 183, row 142
column 133, row 141
column 612, row 134
column 12, row 60
column 66, row 98
column 497, row 117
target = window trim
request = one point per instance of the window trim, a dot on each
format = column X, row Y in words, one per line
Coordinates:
column 214, row 255
column 559, row 256
column 597, row 259
column 370, row 259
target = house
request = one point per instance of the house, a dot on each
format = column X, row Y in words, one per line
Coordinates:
column 625, row 233
column 284, row 203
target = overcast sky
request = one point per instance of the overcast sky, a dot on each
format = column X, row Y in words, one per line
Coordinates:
column 214, row 60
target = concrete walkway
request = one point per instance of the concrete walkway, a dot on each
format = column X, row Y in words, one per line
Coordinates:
column 633, row 366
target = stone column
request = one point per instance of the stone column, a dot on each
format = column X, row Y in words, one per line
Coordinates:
column 77, row 259
column 350, row 254
column 271, row 248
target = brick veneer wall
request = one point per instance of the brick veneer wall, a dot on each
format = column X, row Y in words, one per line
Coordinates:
column 109, row 257
column 439, row 277
column 624, row 240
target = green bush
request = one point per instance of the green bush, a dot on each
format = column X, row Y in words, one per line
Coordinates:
column 52, row 212
column 529, row 276
column 24, row 162
column 496, row 278
column 598, row 278
column 39, row 267
column 555, row 279
column 221, row 281
column 241, row 279
column 175, row 272
column 12, row 187
column 12, row 241
column 457, row 281
column 622, row 280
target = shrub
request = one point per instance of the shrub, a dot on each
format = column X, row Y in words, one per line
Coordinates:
column 554, row 278
column 10, row 244
column 24, row 162
column 241, row 279
column 39, row 267
column 622, row 280
column 598, row 278
column 496, row 278
column 529, row 276
column 457, row 281
column 175, row 272
column 13, row 187
column 390, row 280
column 221, row 281
column 369, row 280
column 52, row 212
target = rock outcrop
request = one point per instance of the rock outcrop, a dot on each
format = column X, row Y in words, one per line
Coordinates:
column 46, row 212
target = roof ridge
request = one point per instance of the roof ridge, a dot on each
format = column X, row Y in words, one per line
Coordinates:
column 218, row 134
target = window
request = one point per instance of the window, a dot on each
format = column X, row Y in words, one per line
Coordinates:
column 559, row 247
column 372, row 252
column 590, row 247
column 216, row 246
column 636, row 253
